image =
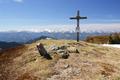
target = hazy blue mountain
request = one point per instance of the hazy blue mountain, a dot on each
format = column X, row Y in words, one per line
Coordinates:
column 23, row 37
column 39, row 38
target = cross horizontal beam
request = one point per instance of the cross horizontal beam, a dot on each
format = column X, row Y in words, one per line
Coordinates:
column 78, row 17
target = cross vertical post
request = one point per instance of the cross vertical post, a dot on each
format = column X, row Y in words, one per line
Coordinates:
column 78, row 17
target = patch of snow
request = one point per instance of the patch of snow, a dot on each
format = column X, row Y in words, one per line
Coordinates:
column 48, row 38
column 112, row 45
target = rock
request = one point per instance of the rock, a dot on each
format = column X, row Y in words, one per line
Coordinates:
column 73, row 50
column 60, row 51
column 63, row 47
column 77, row 51
column 53, row 47
column 66, row 66
column 64, row 55
column 43, row 51
column 0, row 75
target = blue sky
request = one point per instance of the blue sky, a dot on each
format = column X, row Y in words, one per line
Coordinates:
column 40, row 14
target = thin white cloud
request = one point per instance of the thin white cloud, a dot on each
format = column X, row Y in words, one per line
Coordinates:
column 19, row 1
column 113, row 27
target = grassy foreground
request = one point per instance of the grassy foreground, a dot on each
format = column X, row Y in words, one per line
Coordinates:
column 93, row 62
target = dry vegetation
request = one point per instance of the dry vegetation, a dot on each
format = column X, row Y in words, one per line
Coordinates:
column 93, row 62
column 98, row 39
column 113, row 38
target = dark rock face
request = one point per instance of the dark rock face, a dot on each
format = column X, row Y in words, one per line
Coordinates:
column 43, row 52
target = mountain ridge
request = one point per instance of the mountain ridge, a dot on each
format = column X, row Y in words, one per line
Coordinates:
column 5, row 45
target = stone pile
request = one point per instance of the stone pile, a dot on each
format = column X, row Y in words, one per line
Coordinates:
column 63, row 50
column 60, row 50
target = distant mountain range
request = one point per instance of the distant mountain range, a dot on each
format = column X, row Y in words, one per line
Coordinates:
column 6, row 45
column 24, row 36
column 39, row 38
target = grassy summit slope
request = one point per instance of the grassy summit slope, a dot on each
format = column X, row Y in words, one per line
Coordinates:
column 93, row 62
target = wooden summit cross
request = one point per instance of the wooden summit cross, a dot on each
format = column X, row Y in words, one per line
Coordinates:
column 78, row 17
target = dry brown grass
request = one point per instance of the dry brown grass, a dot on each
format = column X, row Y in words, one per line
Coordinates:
column 94, row 62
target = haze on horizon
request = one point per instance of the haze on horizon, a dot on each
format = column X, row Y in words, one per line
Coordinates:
column 40, row 15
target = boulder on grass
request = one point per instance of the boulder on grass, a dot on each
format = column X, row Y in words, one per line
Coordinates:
column 43, row 51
